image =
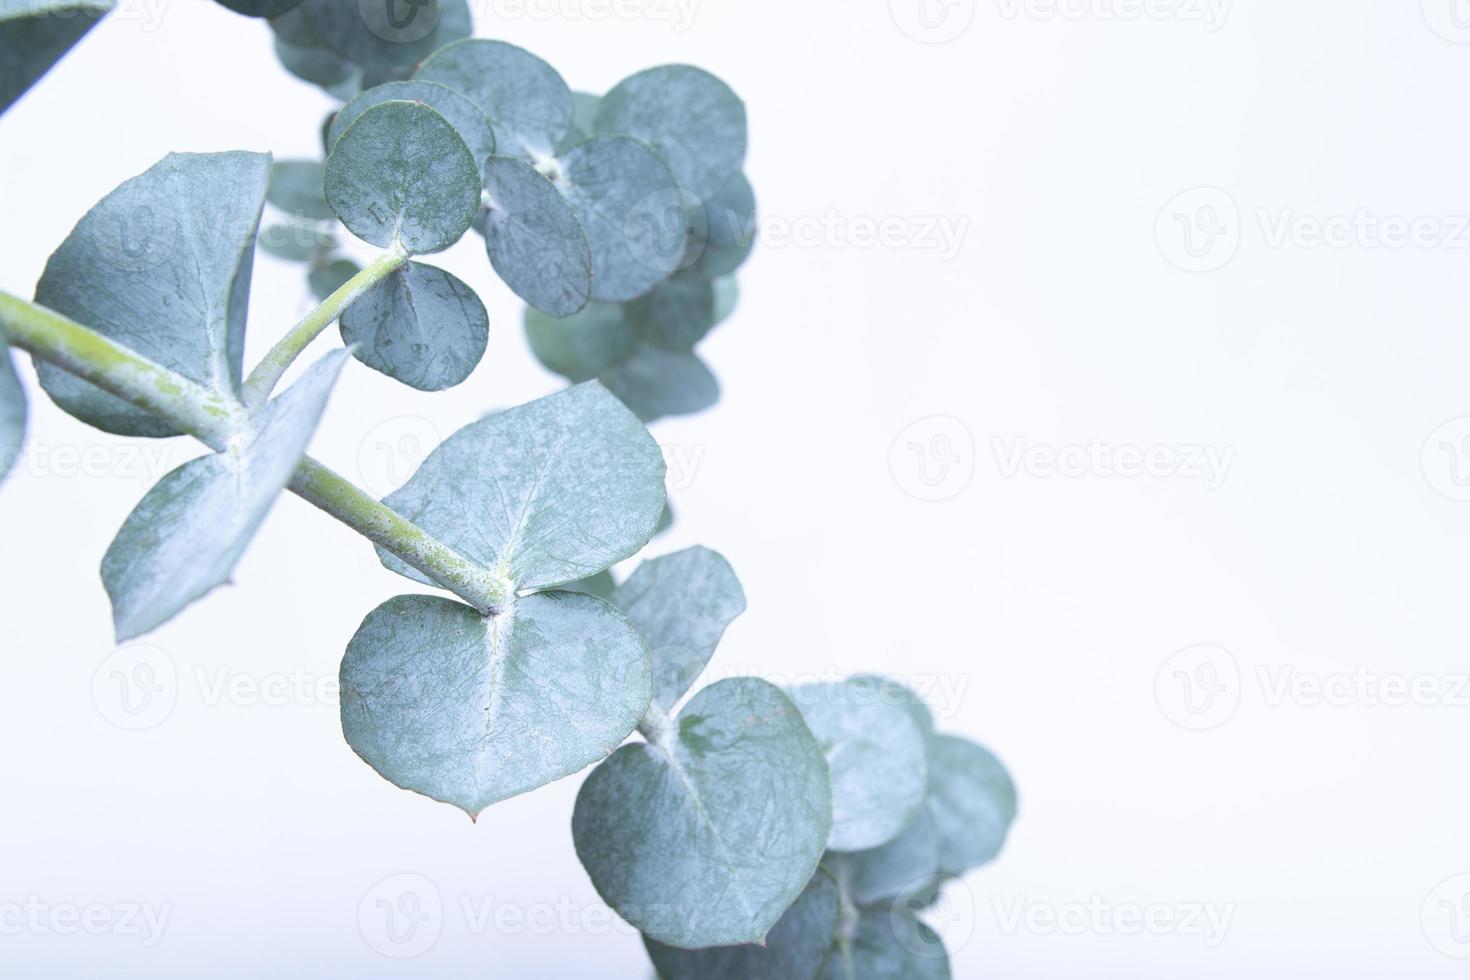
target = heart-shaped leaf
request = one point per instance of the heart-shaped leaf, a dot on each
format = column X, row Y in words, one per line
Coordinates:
column 260, row 8
column 387, row 37
column 707, row 837
column 886, row 943
column 681, row 605
column 459, row 111
column 619, row 190
column 12, row 412
column 34, row 34
column 677, row 314
column 906, row 866
column 534, row 240
column 972, row 801
column 688, row 116
column 526, row 101
column 421, row 326
column 794, row 950
column 401, row 173
column 543, row 494
column 161, row 265
column 878, row 759
column 470, row 710
column 296, row 188
column 189, row 531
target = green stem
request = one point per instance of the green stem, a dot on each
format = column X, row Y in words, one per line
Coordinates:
column 268, row 372
column 51, row 337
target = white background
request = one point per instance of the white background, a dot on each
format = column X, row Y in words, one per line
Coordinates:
column 1047, row 604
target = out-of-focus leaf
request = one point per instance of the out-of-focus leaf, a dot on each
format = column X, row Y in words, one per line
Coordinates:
column 972, row 801
column 401, row 173
column 526, row 101
column 260, row 8
column 35, row 34
column 655, row 383
column 297, row 240
column 582, row 346
column 794, row 950
column 185, row 537
column 878, row 759
column 688, row 116
column 327, row 279
column 677, row 314
column 730, row 229
column 708, row 836
column 544, row 494
column 890, row 944
column 460, row 112
column 387, row 37
column 534, row 239
column 162, row 266
column 906, row 866
column 602, row 585
column 314, row 64
column 296, row 188
column 470, row 710
column 421, row 326
column 681, row 604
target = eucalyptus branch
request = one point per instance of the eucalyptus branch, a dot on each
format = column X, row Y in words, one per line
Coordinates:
column 268, row 372
column 212, row 419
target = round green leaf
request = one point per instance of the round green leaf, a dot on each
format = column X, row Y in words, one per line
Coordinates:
column 709, row 836
column 296, row 188
column 459, row 111
column 584, row 345
column 655, row 383
column 906, row 866
column 794, row 950
column 620, row 191
column 327, row 279
column 544, row 494
column 677, row 314
column 12, row 412
column 681, row 605
column 878, row 759
column 534, row 239
column 690, row 117
column 161, row 265
column 188, row 533
column 470, row 710
column 526, row 101
column 889, row 944
column 314, row 64
column 421, row 326
column 972, row 802
column 401, row 173
column 730, row 229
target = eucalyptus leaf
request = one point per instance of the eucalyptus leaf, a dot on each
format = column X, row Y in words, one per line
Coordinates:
column 584, row 345
column 186, row 536
column 727, row 297
column 527, row 102
column 12, row 412
column 878, row 759
column 677, row 314
column 972, row 801
column 387, row 36
column 602, row 585
column 618, row 188
column 906, row 866
column 889, row 944
column 315, row 64
column 260, row 8
column 708, row 836
column 460, row 112
column 891, row 692
column 35, row 34
column 325, row 280
column 534, row 240
column 470, row 710
column 688, row 116
column 294, row 27
column 544, row 494
column 655, row 383
column 161, row 265
column 681, row 605
column 401, row 173
column 730, row 228
column 421, row 326
column 298, row 240
column 296, row 188
column 794, row 950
